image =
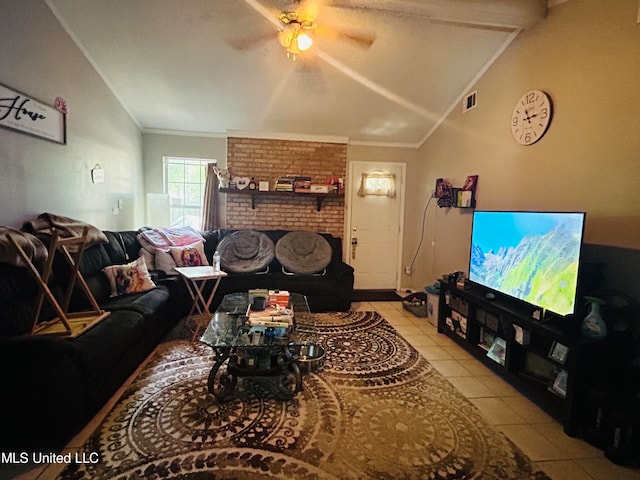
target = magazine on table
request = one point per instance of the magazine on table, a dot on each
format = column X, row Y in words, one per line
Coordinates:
column 272, row 316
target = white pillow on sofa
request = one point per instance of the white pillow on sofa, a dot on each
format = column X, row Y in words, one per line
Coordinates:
column 190, row 255
column 165, row 262
column 129, row 278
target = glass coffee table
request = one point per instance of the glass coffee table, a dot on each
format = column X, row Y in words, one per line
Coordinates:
column 242, row 350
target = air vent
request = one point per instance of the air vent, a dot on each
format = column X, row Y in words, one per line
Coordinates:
column 469, row 101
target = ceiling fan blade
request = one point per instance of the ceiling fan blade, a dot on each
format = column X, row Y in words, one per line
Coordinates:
column 308, row 9
column 474, row 25
column 269, row 13
column 247, row 43
column 362, row 39
column 401, row 11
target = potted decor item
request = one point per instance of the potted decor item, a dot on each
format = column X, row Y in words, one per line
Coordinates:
column 593, row 326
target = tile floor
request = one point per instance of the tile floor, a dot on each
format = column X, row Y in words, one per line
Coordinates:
column 530, row 428
column 537, row 434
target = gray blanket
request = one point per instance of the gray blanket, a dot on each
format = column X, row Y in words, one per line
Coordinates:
column 44, row 225
column 32, row 246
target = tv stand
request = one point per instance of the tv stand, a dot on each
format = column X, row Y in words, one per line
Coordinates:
column 547, row 361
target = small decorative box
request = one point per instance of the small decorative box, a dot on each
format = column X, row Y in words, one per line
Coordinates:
column 319, row 189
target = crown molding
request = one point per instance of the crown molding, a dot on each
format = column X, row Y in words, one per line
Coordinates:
column 184, row 133
column 360, row 143
column 287, row 136
column 282, row 136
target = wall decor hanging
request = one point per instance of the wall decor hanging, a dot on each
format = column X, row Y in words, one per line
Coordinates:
column 28, row 115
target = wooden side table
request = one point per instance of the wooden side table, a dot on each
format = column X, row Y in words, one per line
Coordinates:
column 195, row 278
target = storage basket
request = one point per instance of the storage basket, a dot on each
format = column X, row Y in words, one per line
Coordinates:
column 416, row 303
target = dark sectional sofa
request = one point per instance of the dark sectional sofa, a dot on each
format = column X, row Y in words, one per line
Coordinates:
column 330, row 290
column 53, row 385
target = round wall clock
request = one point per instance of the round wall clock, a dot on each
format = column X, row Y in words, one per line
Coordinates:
column 531, row 117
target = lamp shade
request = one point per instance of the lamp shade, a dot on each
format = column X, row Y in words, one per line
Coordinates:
column 285, row 37
column 304, row 42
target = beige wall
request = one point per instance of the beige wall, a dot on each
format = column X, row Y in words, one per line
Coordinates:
column 156, row 146
column 36, row 176
column 586, row 56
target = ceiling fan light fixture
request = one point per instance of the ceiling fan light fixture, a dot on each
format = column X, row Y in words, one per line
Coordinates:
column 285, row 37
column 304, row 42
column 294, row 40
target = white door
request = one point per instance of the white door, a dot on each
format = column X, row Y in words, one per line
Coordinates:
column 374, row 236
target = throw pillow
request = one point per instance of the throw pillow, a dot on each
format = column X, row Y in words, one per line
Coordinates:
column 129, row 278
column 165, row 262
column 149, row 259
column 189, row 256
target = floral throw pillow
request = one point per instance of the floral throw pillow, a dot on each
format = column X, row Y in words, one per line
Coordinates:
column 189, row 256
column 130, row 278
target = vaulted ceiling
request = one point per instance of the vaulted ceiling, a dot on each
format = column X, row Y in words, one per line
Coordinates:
column 216, row 66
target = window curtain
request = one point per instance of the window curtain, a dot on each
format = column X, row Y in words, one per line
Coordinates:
column 210, row 207
column 377, row 183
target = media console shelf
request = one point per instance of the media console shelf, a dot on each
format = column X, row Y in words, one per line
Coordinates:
column 319, row 197
column 546, row 361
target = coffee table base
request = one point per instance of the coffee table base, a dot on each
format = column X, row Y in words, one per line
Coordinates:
column 228, row 366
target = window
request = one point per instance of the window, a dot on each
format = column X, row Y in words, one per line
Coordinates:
column 378, row 183
column 184, row 180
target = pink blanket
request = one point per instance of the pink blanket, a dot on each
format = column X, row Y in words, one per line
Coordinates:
column 163, row 238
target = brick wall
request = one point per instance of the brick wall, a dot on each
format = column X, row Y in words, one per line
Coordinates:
column 267, row 160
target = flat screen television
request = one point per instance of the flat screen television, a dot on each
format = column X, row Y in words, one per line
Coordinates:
column 532, row 256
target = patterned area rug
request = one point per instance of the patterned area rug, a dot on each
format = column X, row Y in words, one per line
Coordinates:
column 376, row 410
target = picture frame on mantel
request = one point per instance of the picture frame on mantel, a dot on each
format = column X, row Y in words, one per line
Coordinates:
column 25, row 114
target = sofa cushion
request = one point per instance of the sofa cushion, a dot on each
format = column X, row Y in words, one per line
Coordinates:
column 115, row 248
column 211, row 238
column 18, row 293
column 306, row 284
column 99, row 348
column 132, row 277
column 303, row 252
column 94, row 259
column 150, row 304
column 43, row 397
column 165, row 263
column 246, row 251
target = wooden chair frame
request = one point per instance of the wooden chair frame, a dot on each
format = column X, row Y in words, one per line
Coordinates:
column 65, row 324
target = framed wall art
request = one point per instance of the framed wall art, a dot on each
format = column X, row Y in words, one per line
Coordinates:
column 24, row 114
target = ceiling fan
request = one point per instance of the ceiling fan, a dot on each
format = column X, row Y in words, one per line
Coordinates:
column 297, row 28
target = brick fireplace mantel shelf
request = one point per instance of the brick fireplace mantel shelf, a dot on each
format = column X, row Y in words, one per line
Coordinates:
column 255, row 194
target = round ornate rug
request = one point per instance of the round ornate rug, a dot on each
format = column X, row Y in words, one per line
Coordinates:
column 375, row 410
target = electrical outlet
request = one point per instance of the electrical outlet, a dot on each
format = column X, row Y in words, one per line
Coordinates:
column 408, row 270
